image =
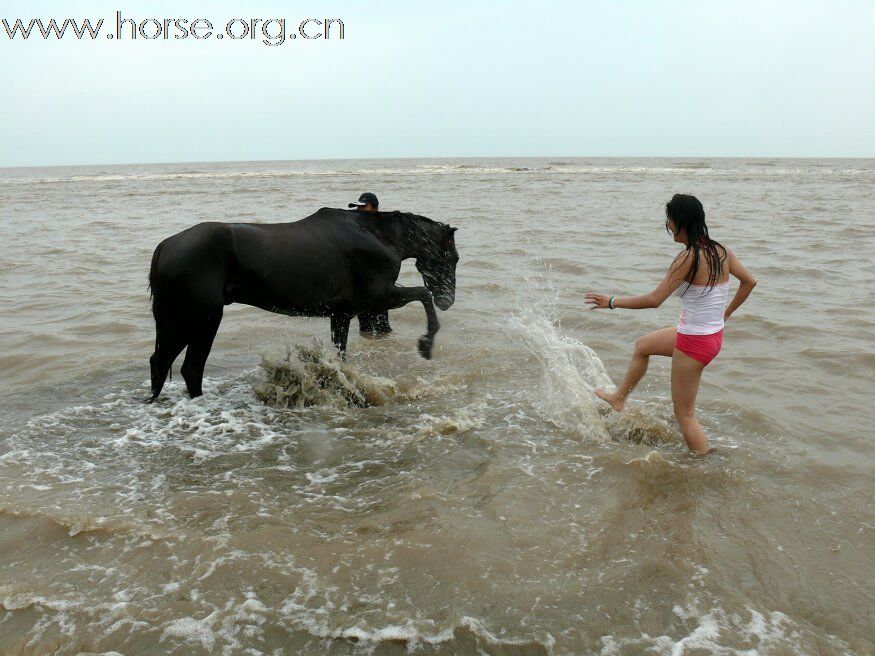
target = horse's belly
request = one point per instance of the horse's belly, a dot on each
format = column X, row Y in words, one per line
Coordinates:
column 301, row 305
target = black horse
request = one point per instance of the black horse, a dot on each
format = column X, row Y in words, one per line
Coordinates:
column 334, row 263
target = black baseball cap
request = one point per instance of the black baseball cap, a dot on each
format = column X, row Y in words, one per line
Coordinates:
column 365, row 199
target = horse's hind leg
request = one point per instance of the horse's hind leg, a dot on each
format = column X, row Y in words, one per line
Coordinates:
column 167, row 349
column 199, row 345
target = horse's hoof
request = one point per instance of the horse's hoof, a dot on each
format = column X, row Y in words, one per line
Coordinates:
column 425, row 345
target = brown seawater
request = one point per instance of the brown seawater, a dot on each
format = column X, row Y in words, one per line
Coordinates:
column 482, row 502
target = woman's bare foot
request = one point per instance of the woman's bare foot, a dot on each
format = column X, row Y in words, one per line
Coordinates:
column 616, row 401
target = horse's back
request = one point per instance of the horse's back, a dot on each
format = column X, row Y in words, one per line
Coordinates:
column 310, row 266
column 201, row 247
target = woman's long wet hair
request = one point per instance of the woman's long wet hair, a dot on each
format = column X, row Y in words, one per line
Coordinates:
column 687, row 213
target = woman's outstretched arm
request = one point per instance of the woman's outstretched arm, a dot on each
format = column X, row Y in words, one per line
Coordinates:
column 676, row 274
column 746, row 284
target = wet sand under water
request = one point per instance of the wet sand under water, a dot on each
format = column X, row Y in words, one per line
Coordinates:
column 481, row 502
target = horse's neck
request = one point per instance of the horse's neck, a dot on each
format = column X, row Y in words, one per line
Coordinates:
column 417, row 237
column 404, row 234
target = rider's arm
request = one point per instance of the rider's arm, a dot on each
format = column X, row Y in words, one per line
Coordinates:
column 746, row 284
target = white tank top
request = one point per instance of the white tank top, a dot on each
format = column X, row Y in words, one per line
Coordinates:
column 702, row 308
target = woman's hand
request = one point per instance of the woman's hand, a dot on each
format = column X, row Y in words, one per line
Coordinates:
column 597, row 301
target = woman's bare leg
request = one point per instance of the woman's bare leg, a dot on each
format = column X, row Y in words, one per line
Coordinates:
column 686, row 372
column 659, row 342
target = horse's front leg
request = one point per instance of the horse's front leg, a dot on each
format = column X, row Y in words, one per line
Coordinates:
column 340, row 332
column 401, row 296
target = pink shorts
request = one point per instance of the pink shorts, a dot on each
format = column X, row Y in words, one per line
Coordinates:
column 703, row 348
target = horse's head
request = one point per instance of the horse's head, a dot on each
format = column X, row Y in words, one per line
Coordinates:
column 436, row 261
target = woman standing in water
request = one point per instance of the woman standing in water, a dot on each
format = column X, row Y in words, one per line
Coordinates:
column 700, row 275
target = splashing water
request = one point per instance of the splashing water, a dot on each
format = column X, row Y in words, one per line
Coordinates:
column 640, row 425
column 570, row 372
column 313, row 375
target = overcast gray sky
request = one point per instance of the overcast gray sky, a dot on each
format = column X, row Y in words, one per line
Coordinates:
column 420, row 79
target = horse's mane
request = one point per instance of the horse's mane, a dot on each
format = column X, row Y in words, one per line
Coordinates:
column 410, row 215
column 398, row 214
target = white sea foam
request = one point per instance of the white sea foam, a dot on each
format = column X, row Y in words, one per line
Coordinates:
column 749, row 633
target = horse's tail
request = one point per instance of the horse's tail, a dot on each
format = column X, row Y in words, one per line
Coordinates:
column 166, row 347
column 155, row 295
column 152, row 268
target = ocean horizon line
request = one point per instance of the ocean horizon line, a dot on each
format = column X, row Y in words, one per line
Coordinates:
column 441, row 158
